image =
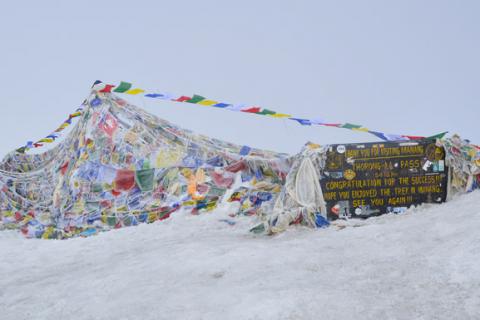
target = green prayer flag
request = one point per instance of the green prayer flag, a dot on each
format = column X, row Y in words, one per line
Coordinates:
column 144, row 179
column 266, row 112
column 195, row 99
column 124, row 86
column 258, row 229
column 350, row 126
column 438, row 136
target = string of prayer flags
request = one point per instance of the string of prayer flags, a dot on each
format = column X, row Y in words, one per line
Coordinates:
column 51, row 138
column 128, row 88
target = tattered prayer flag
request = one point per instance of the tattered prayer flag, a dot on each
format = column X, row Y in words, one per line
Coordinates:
column 134, row 91
column 338, row 125
column 208, row 102
column 46, row 140
column 182, row 99
column 144, row 179
column 245, row 150
column 413, row 137
column 350, row 126
column 304, row 122
column 280, row 115
column 195, row 99
column 266, row 112
column 379, row 135
column 108, row 88
column 394, row 137
column 124, row 86
column 236, row 107
column 221, row 105
column 360, row 129
column 109, row 125
column 155, row 95
column 96, row 102
column 96, row 82
column 124, row 180
column 251, row 110
column 388, row 137
column 438, row 136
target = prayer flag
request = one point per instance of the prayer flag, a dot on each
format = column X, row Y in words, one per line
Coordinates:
column 438, row 136
column 144, row 179
column 304, row 122
column 360, row 129
column 221, row 105
column 350, row 126
column 251, row 110
column 135, row 91
column 108, row 88
column 208, row 102
column 195, row 99
column 280, row 115
column 182, row 99
column 123, row 87
column 266, row 112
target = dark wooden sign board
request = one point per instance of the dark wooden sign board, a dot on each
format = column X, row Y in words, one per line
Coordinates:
column 369, row 179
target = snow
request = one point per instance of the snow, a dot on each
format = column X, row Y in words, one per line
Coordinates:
column 424, row 264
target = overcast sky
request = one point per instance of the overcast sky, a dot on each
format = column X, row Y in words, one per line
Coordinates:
column 406, row 67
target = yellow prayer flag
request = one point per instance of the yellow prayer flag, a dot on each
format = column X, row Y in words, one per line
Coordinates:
column 135, row 91
column 361, row 129
column 46, row 140
column 207, row 102
column 279, row 115
column 311, row 145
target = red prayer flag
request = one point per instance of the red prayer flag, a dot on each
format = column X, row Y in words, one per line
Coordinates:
column 414, row 137
column 109, row 125
column 331, row 124
column 183, row 99
column 125, row 180
column 237, row 166
column 64, row 167
column 108, row 88
column 252, row 110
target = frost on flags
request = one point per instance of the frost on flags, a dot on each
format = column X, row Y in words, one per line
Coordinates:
column 121, row 166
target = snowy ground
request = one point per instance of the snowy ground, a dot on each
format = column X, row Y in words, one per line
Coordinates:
column 421, row 265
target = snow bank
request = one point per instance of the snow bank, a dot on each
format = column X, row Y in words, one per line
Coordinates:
column 420, row 265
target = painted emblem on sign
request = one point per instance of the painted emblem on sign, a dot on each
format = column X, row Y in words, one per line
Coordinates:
column 349, row 174
column 434, row 153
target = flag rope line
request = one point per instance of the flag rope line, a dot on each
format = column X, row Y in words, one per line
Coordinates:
column 127, row 88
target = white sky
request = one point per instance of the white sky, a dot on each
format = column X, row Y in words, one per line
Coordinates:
column 406, row 67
